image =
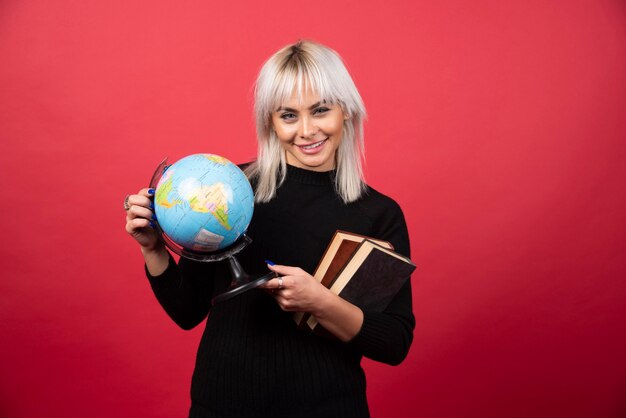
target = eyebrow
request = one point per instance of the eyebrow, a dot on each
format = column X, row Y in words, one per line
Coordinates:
column 313, row 106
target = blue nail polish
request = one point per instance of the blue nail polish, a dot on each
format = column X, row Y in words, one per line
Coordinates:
column 152, row 224
column 270, row 263
column 151, row 205
column 154, row 217
column 150, row 191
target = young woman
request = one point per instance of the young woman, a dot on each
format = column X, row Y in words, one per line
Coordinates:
column 308, row 182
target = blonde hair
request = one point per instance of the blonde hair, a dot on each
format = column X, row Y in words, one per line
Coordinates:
column 307, row 66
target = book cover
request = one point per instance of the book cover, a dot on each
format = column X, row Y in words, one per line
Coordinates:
column 371, row 278
column 341, row 247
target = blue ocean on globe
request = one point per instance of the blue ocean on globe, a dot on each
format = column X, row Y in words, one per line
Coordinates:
column 203, row 203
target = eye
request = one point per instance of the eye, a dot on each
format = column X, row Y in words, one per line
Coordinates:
column 320, row 110
column 287, row 116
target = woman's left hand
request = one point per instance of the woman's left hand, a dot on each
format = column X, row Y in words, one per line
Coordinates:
column 295, row 290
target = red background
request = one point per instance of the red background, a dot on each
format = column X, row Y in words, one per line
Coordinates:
column 498, row 126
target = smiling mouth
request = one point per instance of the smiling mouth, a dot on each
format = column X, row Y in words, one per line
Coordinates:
column 312, row 146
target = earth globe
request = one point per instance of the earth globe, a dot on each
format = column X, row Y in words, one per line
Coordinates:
column 203, row 205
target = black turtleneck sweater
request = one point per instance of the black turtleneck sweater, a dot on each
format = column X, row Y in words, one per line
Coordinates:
column 252, row 361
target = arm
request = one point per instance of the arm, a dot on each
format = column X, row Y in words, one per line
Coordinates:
column 382, row 336
column 183, row 292
column 298, row 291
column 387, row 336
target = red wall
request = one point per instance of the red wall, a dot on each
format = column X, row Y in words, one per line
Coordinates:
column 498, row 126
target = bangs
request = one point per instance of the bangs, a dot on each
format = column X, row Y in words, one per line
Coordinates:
column 297, row 77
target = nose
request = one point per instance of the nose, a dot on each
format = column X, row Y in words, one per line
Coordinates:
column 307, row 128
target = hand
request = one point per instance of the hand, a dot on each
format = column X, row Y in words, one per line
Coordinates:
column 139, row 220
column 296, row 290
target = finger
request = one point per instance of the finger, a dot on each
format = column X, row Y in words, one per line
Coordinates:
column 286, row 270
column 140, row 200
column 274, row 284
column 147, row 192
column 133, row 226
column 137, row 211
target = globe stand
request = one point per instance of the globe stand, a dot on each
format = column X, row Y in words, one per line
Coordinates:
column 241, row 281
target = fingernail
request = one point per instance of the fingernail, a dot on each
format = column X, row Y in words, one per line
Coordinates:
column 270, row 263
column 152, row 224
column 150, row 191
column 151, row 205
column 154, row 217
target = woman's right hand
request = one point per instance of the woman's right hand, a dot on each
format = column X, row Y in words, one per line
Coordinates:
column 140, row 220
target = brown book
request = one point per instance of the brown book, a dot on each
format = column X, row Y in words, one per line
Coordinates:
column 371, row 278
column 341, row 247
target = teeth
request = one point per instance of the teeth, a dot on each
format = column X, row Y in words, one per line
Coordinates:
column 313, row 145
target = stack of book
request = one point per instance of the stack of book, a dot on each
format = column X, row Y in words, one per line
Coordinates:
column 362, row 270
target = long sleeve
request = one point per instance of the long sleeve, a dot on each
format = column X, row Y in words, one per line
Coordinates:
column 387, row 336
column 184, row 291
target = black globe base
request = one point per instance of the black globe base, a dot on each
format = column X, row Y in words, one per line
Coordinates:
column 241, row 282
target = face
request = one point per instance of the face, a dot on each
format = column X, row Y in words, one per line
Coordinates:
column 309, row 131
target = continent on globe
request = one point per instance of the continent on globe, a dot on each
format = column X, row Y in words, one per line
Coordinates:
column 162, row 192
column 211, row 199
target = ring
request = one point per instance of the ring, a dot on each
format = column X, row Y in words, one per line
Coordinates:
column 126, row 204
column 280, row 283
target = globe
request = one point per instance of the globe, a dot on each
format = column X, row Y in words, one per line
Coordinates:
column 203, row 203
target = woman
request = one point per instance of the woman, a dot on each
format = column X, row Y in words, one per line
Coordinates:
column 308, row 182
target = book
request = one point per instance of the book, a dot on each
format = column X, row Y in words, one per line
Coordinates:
column 341, row 247
column 371, row 278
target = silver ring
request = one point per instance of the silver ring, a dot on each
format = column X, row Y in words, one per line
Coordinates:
column 126, row 204
column 280, row 283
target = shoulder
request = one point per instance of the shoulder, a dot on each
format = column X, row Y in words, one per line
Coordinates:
column 387, row 218
column 377, row 203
